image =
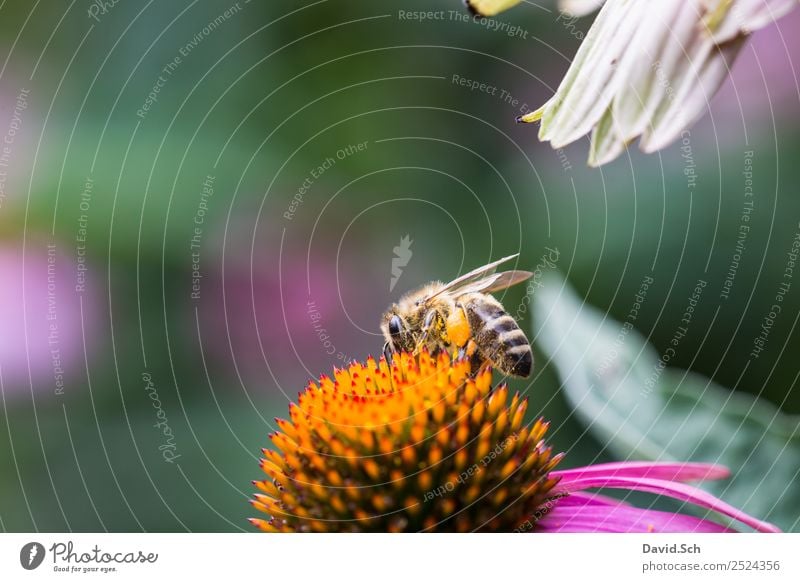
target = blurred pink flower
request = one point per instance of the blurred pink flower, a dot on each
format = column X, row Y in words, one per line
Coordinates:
column 278, row 308
column 290, row 318
column 41, row 339
column 244, row 312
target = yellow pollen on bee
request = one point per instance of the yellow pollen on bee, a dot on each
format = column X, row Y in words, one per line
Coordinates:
column 458, row 330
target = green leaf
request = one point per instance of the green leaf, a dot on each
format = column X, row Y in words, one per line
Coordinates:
column 642, row 410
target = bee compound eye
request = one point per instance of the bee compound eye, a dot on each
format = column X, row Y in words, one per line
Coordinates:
column 395, row 325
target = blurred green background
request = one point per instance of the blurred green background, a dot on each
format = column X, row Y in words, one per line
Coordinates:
column 184, row 187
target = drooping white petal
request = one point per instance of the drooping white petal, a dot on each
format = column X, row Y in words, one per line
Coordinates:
column 646, row 81
column 607, row 143
column 592, row 80
column 649, row 68
column 700, row 83
column 689, row 74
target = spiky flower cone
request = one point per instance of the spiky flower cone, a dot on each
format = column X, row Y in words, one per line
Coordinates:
column 419, row 446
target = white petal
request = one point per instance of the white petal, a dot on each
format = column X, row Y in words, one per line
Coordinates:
column 591, row 82
column 708, row 72
column 648, row 68
column 607, row 143
column 647, row 78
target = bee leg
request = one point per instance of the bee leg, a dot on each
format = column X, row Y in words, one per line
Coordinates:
column 427, row 325
column 458, row 328
column 387, row 353
column 468, row 350
column 459, row 333
column 483, row 366
column 477, row 362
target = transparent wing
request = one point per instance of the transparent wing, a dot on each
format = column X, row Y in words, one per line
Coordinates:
column 494, row 282
column 484, row 279
column 504, row 280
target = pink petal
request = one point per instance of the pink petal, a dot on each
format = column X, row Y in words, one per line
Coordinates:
column 589, row 498
column 678, row 491
column 590, row 518
column 667, row 471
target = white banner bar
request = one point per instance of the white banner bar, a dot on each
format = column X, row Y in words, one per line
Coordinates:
column 389, row 557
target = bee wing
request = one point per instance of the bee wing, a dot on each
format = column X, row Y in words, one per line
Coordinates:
column 507, row 279
column 479, row 278
column 494, row 282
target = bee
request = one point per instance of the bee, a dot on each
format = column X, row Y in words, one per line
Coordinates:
column 462, row 318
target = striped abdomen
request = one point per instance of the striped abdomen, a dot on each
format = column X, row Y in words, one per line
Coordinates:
column 497, row 335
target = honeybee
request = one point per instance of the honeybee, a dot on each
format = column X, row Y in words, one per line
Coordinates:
column 461, row 317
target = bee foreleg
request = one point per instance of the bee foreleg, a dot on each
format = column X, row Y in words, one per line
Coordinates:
column 387, row 353
column 427, row 325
